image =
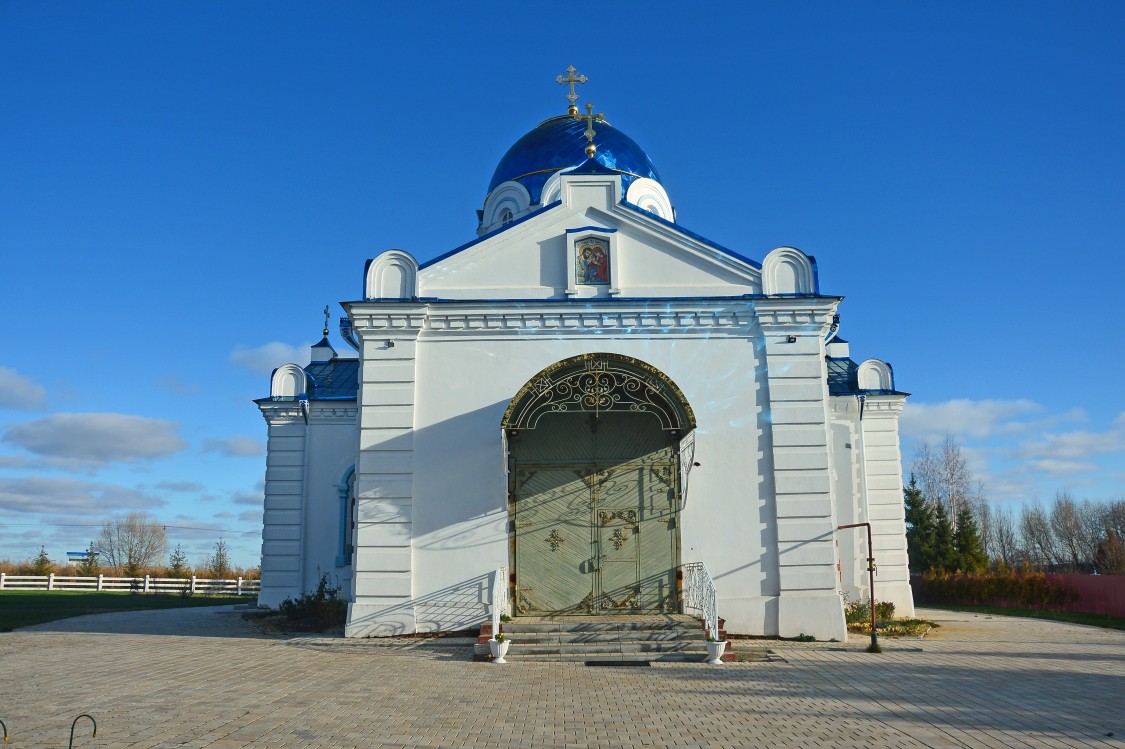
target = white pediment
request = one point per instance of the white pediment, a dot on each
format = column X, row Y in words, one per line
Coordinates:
column 534, row 257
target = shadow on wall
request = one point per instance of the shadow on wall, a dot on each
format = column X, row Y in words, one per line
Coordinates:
column 464, row 605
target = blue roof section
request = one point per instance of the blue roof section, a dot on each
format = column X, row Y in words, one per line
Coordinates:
column 559, row 143
column 690, row 233
column 334, row 379
column 843, row 379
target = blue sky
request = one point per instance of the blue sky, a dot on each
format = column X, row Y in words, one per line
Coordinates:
column 184, row 186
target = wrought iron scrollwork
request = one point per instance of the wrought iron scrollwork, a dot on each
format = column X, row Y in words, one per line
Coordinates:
column 608, row 516
column 597, row 383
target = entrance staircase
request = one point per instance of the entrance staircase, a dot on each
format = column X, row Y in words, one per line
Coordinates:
column 602, row 639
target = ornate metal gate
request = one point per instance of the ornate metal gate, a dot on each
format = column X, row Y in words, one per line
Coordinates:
column 596, row 540
column 594, row 487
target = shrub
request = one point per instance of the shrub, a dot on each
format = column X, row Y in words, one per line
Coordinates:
column 859, row 612
column 317, row 611
column 1002, row 587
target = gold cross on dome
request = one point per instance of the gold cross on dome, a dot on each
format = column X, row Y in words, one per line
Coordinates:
column 326, row 316
column 590, row 118
column 571, row 78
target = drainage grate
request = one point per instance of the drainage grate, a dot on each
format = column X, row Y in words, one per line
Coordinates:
column 644, row 664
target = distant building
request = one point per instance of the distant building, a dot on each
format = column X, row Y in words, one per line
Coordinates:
column 76, row 557
column 591, row 395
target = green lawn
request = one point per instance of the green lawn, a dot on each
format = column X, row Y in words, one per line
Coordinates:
column 1095, row 620
column 20, row 608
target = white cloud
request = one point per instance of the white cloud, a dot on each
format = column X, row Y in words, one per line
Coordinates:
column 973, row 418
column 49, row 494
column 268, row 357
column 1056, row 467
column 249, row 498
column 1078, row 444
column 236, row 447
column 97, row 437
column 17, row 391
column 180, row 486
column 251, row 516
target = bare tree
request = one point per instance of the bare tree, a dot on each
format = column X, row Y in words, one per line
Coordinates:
column 131, row 543
column 1004, row 542
column 1038, row 536
column 1067, row 529
column 943, row 472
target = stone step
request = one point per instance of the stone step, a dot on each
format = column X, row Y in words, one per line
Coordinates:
column 631, row 639
column 659, row 626
column 595, row 637
column 603, row 647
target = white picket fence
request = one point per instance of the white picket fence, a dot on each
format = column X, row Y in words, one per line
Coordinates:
column 146, row 584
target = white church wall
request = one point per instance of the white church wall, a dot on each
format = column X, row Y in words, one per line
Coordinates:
column 809, row 601
column 883, row 456
column 331, row 454
column 283, row 508
column 385, row 466
column 461, row 531
column 470, row 363
column 845, row 453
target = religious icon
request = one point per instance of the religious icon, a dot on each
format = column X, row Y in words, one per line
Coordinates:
column 592, row 259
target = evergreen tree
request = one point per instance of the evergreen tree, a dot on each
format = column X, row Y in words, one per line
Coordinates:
column 42, row 564
column 968, row 544
column 945, row 551
column 919, row 528
column 219, row 562
column 89, row 566
column 177, row 563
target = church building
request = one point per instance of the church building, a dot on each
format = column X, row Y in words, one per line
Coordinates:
column 577, row 405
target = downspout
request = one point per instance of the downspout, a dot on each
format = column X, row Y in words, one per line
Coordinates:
column 862, row 399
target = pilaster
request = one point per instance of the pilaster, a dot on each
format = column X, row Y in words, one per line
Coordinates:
column 382, row 601
column 882, row 457
column 793, row 330
column 283, row 516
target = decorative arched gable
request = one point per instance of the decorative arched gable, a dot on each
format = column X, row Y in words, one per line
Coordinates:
column 647, row 194
column 552, row 189
column 875, row 374
column 504, row 204
column 392, row 275
column 787, row 270
column 288, row 383
column 592, row 383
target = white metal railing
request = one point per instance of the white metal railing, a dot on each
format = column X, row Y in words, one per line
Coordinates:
column 147, row 584
column 499, row 597
column 700, row 596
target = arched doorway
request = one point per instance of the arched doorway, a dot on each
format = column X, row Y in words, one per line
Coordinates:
column 594, row 487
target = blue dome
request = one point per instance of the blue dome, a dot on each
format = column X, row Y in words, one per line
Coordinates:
column 559, row 143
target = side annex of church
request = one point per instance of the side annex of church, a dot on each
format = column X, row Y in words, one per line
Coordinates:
column 583, row 399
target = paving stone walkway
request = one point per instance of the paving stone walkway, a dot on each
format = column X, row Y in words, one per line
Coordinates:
column 204, row 678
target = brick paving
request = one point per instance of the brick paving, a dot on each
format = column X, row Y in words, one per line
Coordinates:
column 204, row 678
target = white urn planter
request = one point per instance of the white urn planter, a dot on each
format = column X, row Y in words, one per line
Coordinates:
column 499, row 648
column 715, row 650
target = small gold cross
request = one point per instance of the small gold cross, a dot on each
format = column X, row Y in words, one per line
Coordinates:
column 326, row 316
column 590, row 118
column 571, row 78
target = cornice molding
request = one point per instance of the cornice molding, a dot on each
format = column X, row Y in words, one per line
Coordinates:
column 796, row 314
column 333, row 413
column 277, row 413
column 884, row 405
